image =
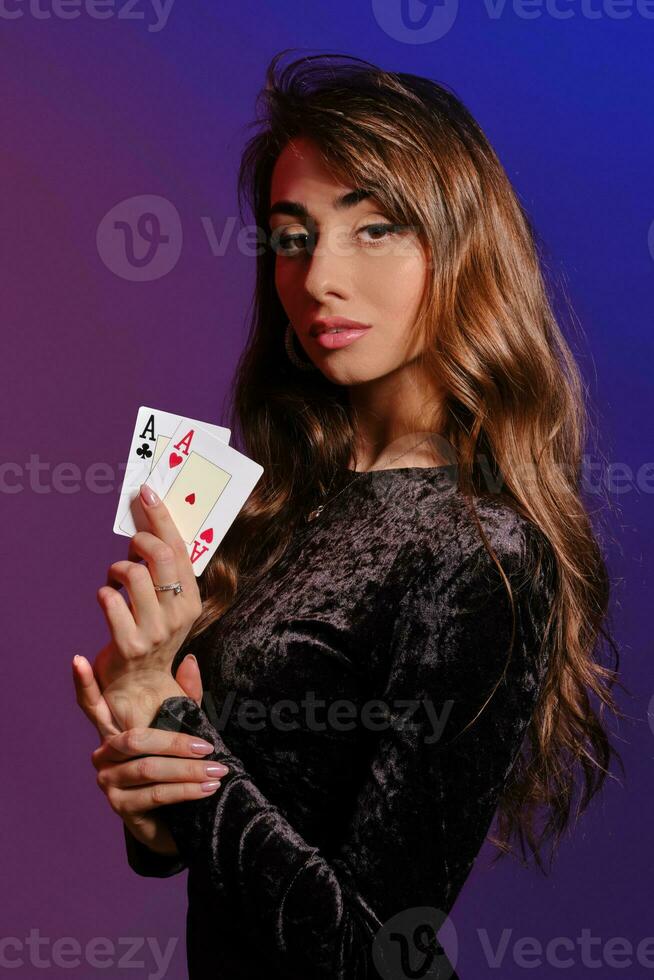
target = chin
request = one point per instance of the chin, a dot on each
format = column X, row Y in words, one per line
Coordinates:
column 342, row 374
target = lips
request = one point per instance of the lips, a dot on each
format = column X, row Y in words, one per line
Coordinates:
column 333, row 323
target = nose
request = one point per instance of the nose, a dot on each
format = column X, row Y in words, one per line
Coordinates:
column 329, row 269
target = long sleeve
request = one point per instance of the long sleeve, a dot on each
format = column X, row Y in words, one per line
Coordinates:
column 429, row 792
column 148, row 863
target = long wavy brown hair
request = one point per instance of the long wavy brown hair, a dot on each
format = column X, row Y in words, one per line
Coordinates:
column 513, row 404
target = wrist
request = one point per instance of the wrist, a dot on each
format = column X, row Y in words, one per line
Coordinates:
column 134, row 699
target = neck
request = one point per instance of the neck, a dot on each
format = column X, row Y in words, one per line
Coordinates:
column 392, row 415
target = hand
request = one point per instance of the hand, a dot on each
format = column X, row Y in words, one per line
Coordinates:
column 136, row 775
column 133, row 669
column 143, row 823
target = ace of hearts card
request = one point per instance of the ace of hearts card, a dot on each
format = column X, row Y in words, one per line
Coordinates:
column 204, row 483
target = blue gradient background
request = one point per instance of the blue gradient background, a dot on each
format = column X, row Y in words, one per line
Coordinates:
column 96, row 111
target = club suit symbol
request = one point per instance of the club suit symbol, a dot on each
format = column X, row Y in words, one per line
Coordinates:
column 415, row 21
column 144, row 451
column 140, row 238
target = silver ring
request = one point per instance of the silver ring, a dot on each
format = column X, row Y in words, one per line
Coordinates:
column 175, row 586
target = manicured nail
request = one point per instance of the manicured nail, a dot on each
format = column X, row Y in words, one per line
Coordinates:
column 209, row 787
column 217, row 770
column 148, row 496
column 201, row 747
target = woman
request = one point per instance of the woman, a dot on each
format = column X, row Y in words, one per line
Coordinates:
column 415, row 561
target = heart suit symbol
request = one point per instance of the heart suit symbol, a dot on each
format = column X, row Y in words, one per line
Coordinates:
column 207, row 535
column 190, row 499
column 174, row 460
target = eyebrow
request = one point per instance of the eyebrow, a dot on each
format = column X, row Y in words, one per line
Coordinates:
column 299, row 210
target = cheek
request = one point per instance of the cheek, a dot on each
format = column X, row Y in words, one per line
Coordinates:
column 394, row 286
column 279, row 281
column 287, row 285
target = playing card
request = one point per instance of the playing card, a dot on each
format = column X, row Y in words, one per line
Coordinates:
column 152, row 433
column 204, row 483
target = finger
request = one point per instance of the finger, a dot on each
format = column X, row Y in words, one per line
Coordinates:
column 137, row 800
column 163, row 527
column 137, row 580
column 136, row 742
column 189, row 678
column 151, row 769
column 161, row 561
column 144, row 545
column 119, row 617
column 90, row 699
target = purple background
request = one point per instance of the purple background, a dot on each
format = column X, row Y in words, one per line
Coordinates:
column 94, row 112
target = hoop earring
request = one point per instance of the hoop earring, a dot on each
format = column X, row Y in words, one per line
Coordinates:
column 293, row 356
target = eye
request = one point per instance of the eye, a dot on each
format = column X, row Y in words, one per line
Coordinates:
column 381, row 231
column 286, row 244
column 294, row 244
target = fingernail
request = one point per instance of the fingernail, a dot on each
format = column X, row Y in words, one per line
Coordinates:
column 209, row 787
column 217, row 770
column 148, row 496
column 201, row 747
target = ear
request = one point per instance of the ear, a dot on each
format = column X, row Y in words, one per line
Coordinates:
column 188, row 677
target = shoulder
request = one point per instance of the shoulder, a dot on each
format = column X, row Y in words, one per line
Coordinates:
column 454, row 548
column 460, row 597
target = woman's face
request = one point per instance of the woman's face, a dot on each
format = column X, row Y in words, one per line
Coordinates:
column 330, row 263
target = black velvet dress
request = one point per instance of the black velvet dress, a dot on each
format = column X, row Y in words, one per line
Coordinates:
column 358, row 794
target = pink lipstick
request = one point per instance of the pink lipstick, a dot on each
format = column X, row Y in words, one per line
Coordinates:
column 333, row 332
